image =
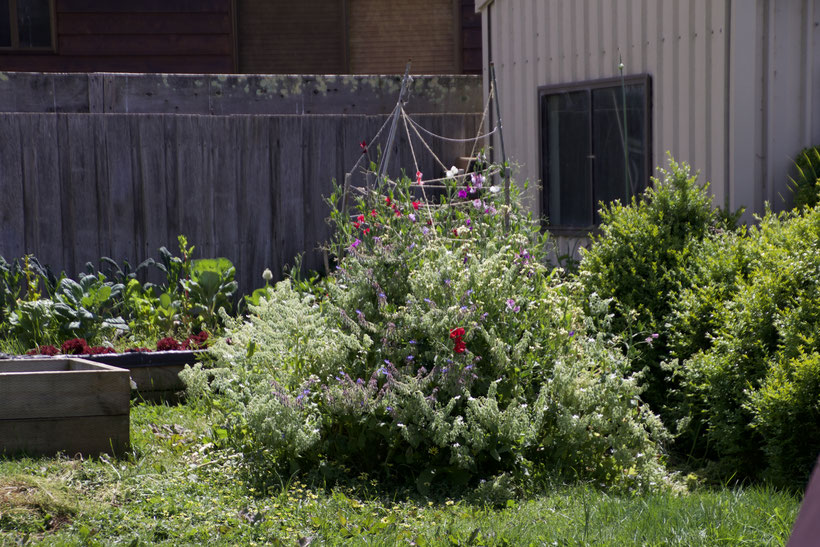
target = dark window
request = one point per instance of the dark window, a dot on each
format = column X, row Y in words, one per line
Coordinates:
column 25, row 24
column 590, row 151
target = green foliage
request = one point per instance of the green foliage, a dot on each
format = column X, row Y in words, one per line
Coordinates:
column 748, row 389
column 11, row 278
column 640, row 261
column 806, row 185
column 442, row 350
column 86, row 307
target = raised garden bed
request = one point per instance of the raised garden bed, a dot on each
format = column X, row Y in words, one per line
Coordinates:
column 69, row 405
column 155, row 373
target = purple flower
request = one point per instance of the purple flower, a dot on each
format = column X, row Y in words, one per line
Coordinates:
column 411, row 342
column 387, row 362
column 447, row 282
column 462, row 193
column 382, row 295
column 463, row 309
column 511, row 305
column 412, row 217
column 478, row 179
column 383, row 371
column 410, row 357
column 655, row 335
column 359, row 382
column 571, row 333
column 389, row 409
column 427, row 300
column 477, row 203
column 425, row 230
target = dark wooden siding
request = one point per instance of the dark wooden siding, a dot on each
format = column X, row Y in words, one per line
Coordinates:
column 187, row 36
column 471, row 57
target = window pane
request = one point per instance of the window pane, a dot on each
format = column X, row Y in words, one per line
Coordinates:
column 34, row 23
column 566, row 172
column 5, row 28
column 610, row 180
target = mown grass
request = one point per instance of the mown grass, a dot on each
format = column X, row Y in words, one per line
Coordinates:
column 176, row 488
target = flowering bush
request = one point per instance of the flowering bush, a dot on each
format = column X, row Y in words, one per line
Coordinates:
column 442, row 346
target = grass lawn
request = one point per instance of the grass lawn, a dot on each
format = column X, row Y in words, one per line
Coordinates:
column 175, row 488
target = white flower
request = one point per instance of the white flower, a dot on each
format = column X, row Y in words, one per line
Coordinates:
column 267, row 275
column 495, row 189
column 453, row 171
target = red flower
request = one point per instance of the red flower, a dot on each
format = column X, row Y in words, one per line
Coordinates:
column 360, row 218
column 456, row 333
column 367, row 231
column 416, row 205
column 373, row 213
column 387, row 200
column 356, row 225
column 460, row 346
column 418, row 177
column 363, row 146
column 398, row 213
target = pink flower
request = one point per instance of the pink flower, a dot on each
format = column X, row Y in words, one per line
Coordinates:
column 418, row 177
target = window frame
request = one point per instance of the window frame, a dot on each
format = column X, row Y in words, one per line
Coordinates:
column 14, row 32
column 589, row 86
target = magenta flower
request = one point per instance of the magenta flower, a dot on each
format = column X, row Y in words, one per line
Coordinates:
column 462, row 193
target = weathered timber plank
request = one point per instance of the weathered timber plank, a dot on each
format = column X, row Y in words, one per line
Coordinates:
column 61, row 394
column 321, row 164
column 120, row 189
column 48, row 364
column 144, row 6
column 43, row 204
column 194, row 198
column 287, row 136
column 148, row 44
column 150, row 214
column 255, row 201
column 144, row 23
column 105, row 219
column 222, row 176
column 12, row 228
column 88, row 435
column 79, row 189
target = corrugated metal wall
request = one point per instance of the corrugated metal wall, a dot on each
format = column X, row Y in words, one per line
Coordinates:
column 736, row 83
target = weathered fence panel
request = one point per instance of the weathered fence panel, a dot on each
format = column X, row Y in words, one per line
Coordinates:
column 79, row 186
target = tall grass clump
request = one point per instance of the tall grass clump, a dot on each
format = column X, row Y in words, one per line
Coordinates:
column 442, row 351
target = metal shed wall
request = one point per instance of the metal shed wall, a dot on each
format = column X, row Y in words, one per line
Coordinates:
column 736, row 83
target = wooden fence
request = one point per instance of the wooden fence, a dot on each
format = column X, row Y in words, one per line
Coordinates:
column 75, row 187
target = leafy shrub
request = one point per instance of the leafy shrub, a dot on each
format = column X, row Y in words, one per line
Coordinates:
column 442, row 349
column 806, row 185
column 640, row 261
column 748, row 389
